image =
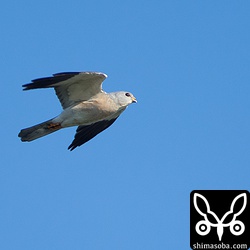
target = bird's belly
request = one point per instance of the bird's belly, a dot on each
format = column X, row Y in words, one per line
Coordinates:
column 82, row 115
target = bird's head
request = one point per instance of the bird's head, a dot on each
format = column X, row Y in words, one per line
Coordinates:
column 123, row 98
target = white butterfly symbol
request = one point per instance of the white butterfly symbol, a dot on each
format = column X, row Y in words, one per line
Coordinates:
column 203, row 227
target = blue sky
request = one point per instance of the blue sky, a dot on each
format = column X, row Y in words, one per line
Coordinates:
column 187, row 63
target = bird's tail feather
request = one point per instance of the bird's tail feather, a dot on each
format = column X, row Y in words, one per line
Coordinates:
column 39, row 130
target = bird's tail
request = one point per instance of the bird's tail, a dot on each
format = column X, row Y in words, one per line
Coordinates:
column 39, row 130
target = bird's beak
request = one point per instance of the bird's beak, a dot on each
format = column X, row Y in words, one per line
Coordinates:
column 134, row 99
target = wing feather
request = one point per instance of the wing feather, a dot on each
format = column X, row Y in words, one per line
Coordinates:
column 86, row 133
column 71, row 87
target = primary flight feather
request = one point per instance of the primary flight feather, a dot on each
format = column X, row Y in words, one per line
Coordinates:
column 84, row 104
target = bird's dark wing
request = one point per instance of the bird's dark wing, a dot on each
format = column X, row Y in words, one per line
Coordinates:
column 71, row 87
column 86, row 133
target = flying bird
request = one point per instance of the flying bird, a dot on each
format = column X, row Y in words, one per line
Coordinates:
column 84, row 104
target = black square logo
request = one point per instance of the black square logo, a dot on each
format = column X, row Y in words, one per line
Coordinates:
column 220, row 219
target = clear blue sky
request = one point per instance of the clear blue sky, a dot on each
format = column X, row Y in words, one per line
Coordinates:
column 187, row 62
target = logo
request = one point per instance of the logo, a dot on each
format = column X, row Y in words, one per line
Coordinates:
column 219, row 219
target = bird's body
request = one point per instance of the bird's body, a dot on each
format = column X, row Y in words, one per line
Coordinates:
column 88, row 112
column 85, row 105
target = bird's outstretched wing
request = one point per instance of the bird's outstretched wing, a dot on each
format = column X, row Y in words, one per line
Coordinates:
column 85, row 133
column 71, row 87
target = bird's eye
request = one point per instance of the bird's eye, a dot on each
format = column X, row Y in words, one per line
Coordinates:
column 127, row 94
